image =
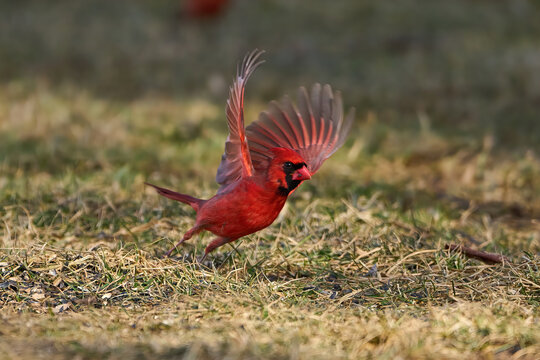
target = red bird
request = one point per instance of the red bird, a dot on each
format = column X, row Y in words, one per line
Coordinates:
column 265, row 162
column 198, row 9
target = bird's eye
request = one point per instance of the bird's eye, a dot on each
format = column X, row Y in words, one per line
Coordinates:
column 288, row 165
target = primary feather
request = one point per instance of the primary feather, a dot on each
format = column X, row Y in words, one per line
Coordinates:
column 315, row 130
column 236, row 160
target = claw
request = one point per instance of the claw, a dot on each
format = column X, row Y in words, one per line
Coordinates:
column 201, row 259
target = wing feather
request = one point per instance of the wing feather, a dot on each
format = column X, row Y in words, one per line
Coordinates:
column 306, row 114
column 316, row 107
column 236, row 160
column 280, row 120
column 315, row 129
column 295, row 121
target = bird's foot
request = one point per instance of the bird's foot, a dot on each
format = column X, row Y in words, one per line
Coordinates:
column 168, row 253
column 201, row 259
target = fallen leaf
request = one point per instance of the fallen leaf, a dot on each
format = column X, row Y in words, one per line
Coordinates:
column 57, row 281
column 38, row 296
column 61, row 308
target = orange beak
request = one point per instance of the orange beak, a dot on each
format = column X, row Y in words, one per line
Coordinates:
column 301, row 174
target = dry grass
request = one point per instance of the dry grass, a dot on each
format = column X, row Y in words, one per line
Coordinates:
column 356, row 266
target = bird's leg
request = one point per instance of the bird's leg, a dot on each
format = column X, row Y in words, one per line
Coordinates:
column 193, row 231
column 214, row 244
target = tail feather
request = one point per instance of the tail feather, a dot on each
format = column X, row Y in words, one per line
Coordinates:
column 186, row 199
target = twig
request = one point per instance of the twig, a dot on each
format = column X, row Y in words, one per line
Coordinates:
column 488, row 258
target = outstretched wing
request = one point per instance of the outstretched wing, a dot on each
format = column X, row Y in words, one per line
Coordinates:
column 315, row 129
column 236, row 160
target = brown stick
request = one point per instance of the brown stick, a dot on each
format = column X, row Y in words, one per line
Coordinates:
column 488, row 258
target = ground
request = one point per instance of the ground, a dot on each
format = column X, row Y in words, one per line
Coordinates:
column 98, row 97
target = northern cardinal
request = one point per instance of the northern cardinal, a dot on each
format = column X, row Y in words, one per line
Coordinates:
column 265, row 162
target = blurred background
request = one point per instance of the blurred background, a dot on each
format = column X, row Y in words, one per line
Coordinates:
column 98, row 96
column 470, row 67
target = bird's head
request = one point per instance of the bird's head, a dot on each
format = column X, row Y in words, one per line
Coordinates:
column 287, row 170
